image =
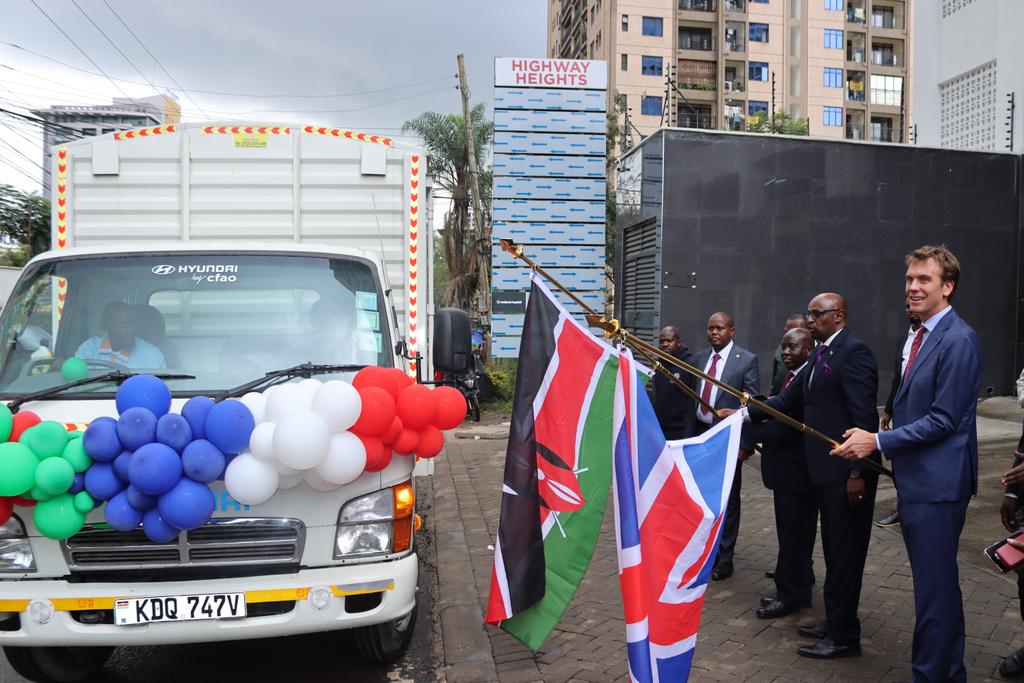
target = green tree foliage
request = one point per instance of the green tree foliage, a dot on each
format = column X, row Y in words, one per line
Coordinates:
column 784, row 124
column 25, row 218
column 444, row 137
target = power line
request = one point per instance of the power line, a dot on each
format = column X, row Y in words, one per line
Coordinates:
column 23, row 155
column 41, row 122
column 20, row 170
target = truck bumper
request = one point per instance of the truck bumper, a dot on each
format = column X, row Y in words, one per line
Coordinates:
column 281, row 599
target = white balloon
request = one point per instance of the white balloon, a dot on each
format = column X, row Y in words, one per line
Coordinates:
column 318, row 483
column 261, row 441
column 285, row 471
column 345, row 461
column 301, row 440
column 289, row 482
column 250, row 480
column 338, row 403
column 256, row 403
column 310, row 385
column 287, row 399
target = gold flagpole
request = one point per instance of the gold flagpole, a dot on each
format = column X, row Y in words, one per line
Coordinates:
column 614, row 330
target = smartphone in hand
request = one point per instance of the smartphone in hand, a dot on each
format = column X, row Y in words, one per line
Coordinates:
column 1004, row 555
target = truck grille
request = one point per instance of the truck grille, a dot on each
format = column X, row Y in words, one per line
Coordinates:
column 230, row 541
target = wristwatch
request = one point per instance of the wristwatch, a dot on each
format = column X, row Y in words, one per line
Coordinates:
column 855, row 474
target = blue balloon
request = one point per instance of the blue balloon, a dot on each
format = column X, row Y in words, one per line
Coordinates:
column 144, row 391
column 156, row 528
column 121, row 464
column 174, row 431
column 79, row 484
column 188, row 505
column 137, row 427
column 155, row 469
column 120, row 514
column 195, row 410
column 202, row 461
column 101, row 442
column 229, row 425
column 101, row 482
column 139, row 500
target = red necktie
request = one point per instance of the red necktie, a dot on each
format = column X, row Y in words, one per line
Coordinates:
column 705, row 393
column 785, row 382
column 914, row 348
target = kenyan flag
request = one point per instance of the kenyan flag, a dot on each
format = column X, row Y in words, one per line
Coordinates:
column 557, row 470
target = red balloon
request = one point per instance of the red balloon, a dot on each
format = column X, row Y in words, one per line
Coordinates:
column 378, row 456
column 416, row 406
column 22, row 501
column 23, row 421
column 393, row 432
column 6, row 509
column 431, row 442
column 377, row 413
column 402, row 378
column 373, row 376
column 407, row 442
column 451, row 407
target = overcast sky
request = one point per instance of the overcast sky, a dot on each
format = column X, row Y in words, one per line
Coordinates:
column 382, row 61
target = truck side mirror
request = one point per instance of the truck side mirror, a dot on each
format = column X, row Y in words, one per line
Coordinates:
column 452, row 340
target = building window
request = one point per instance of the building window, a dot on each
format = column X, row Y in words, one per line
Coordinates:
column 833, row 77
column 625, row 22
column 759, row 2
column 834, row 5
column 758, row 33
column 694, row 38
column 623, row 62
column 653, row 26
column 650, row 105
column 833, row 39
column 887, row 90
column 650, row 66
column 833, row 116
column 754, row 107
column 759, row 71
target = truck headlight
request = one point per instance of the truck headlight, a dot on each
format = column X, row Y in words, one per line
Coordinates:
column 378, row 523
column 15, row 550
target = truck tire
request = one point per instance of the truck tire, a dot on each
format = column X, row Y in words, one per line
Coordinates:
column 57, row 664
column 385, row 643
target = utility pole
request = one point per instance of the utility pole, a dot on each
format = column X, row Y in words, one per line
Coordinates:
column 772, row 128
column 482, row 243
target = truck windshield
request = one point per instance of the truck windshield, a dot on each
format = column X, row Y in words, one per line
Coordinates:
column 224, row 318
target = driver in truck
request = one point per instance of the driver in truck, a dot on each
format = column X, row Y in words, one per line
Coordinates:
column 120, row 346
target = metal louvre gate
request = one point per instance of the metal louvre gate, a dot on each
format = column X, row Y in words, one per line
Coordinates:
column 639, row 289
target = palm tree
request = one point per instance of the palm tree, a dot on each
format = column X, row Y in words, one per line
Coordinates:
column 464, row 253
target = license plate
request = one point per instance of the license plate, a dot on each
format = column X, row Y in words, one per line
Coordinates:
column 134, row 611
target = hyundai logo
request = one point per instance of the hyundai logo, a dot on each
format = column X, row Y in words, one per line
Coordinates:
column 164, row 269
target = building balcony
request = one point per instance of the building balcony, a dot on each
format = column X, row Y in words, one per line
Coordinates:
column 882, row 135
column 855, row 55
column 879, row 58
column 887, row 21
column 854, row 132
column 854, row 94
column 734, row 85
column 856, row 15
column 733, row 6
column 698, row 5
column 688, row 119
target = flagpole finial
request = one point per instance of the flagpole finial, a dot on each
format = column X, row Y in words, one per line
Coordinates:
column 511, row 247
column 612, row 328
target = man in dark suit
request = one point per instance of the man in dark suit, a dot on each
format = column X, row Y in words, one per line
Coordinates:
column 737, row 367
column 1013, row 495
column 934, row 451
column 673, row 407
column 837, row 390
column 794, row 321
column 784, row 471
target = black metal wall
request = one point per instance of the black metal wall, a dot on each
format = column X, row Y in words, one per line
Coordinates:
column 756, row 225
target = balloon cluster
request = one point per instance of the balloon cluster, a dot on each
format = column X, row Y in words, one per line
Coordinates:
column 328, row 433
column 154, row 467
column 42, row 464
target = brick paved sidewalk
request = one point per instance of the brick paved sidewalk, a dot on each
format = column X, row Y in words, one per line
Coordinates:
column 733, row 645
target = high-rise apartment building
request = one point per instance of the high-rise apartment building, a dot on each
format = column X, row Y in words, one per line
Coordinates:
column 70, row 122
column 969, row 75
column 841, row 65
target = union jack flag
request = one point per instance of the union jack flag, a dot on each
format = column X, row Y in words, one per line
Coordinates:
column 670, row 499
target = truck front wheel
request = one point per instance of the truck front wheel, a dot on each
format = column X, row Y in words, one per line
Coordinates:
column 385, row 643
column 57, row 664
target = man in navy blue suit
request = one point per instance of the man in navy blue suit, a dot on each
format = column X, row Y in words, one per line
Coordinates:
column 933, row 447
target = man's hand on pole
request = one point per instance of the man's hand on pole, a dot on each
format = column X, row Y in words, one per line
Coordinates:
column 859, row 444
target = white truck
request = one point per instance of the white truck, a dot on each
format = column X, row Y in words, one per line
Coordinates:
column 231, row 243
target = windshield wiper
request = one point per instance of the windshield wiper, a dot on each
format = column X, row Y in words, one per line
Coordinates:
column 117, row 376
column 301, row 370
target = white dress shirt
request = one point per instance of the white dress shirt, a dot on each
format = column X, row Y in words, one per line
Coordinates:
column 708, row 418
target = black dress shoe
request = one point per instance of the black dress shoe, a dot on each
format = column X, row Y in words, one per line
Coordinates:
column 776, row 609
column 769, row 573
column 817, row 631
column 765, row 601
column 826, row 648
column 1013, row 666
column 723, row 571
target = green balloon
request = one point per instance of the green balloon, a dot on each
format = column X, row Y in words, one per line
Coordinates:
column 39, row 494
column 75, row 454
column 77, row 434
column 74, row 369
column 17, row 468
column 47, row 439
column 6, row 422
column 54, row 476
column 58, row 518
column 84, row 502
